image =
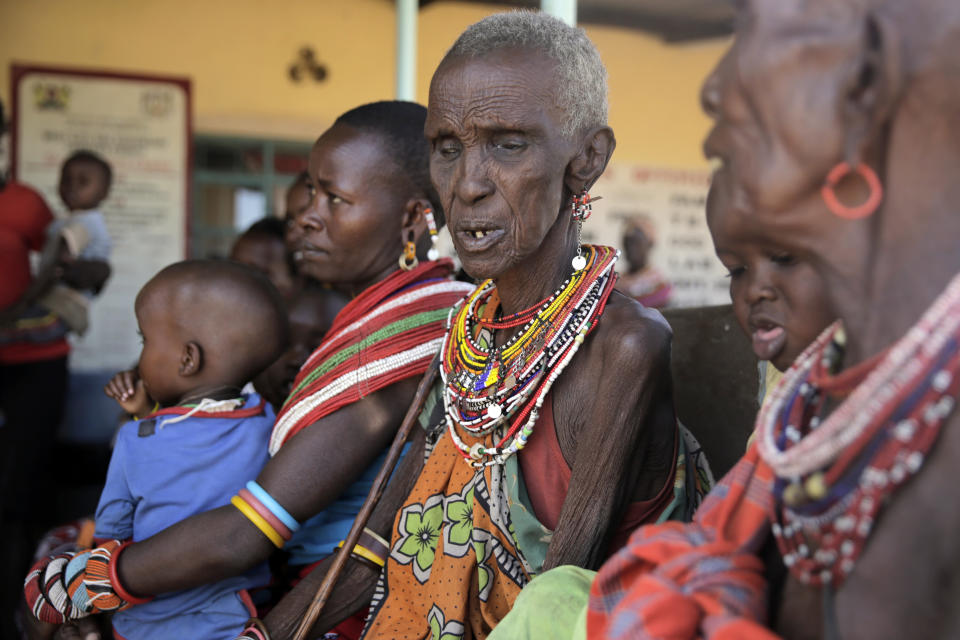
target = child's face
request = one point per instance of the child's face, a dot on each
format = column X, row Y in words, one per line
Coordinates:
column 780, row 301
column 311, row 314
column 267, row 255
column 82, row 185
column 162, row 348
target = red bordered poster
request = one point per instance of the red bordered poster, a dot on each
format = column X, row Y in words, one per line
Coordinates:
column 141, row 124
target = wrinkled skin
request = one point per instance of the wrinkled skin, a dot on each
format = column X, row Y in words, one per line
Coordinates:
column 503, row 168
column 805, row 86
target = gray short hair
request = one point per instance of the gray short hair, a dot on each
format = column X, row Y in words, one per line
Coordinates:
column 581, row 77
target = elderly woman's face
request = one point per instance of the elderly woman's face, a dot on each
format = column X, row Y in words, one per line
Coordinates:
column 497, row 156
column 777, row 99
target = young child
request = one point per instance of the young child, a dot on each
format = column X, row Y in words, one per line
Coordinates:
column 310, row 312
column 263, row 248
column 85, row 181
column 208, row 327
column 76, row 258
column 779, row 300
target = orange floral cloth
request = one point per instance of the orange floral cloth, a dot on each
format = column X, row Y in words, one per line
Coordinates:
column 452, row 548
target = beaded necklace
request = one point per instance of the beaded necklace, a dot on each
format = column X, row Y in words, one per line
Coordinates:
column 488, row 388
column 834, row 475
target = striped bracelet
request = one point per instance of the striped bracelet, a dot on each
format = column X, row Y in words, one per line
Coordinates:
column 370, row 548
column 265, row 514
column 255, row 630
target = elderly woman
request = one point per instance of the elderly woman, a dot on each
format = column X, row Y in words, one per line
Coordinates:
column 834, row 517
column 554, row 433
column 372, row 206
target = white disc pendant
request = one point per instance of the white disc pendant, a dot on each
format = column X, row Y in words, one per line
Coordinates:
column 494, row 411
column 578, row 262
column 476, row 451
column 433, row 254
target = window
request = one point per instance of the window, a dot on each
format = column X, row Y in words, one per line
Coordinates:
column 237, row 181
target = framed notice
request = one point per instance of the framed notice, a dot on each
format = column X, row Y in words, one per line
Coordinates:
column 141, row 125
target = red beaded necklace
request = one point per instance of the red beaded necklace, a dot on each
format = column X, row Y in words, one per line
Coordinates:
column 488, row 388
column 833, row 478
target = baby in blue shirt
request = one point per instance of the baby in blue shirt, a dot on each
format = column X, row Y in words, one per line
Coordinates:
column 207, row 327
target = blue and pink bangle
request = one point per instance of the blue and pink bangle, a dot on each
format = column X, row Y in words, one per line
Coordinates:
column 265, row 514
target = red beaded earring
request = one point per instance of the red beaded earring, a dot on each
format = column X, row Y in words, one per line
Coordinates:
column 581, row 207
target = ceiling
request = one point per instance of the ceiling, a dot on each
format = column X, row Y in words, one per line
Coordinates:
column 673, row 20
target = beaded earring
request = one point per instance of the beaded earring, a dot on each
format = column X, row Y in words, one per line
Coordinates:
column 408, row 258
column 581, row 207
column 433, row 253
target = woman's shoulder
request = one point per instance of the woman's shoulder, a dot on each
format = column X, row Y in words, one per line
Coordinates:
column 629, row 332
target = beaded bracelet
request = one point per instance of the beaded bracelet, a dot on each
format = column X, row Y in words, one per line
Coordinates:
column 124, row 595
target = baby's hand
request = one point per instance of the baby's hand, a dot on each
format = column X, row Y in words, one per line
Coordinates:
column 127, row 389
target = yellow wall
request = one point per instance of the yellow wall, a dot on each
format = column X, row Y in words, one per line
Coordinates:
column 237, row 53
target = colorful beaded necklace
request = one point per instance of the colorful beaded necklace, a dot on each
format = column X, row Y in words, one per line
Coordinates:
column 487, row 387
column 833, row 475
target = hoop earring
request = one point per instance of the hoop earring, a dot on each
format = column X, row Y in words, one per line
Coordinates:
column 433, row 253
column 581, row 209
column 837, row 208
column 408, row 257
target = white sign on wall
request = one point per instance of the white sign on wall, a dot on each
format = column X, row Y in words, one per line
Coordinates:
column 674, row 201
column 141, row 126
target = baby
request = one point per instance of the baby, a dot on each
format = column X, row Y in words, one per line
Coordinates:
column 779, row 300
column 76, row 255
column 208, row 327
column 311, row 312
column 85, row 181
column 262, row 247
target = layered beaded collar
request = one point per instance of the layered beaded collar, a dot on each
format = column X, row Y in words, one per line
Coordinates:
column 834, row 474
column 487, row 387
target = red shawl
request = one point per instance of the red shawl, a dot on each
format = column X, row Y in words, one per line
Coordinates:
column 389, row 332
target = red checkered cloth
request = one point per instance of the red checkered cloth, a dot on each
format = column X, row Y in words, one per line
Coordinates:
column 696, row 580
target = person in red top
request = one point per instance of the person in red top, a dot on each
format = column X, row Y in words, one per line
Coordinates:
column 33, row 383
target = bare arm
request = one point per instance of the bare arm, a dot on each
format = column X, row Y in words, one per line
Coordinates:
column 620, row 429
column 86, row 274
column 354, row 589
column 306, row 476
column 50, row 272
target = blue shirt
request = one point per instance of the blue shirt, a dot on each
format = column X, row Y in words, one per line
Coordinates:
column 99, row 244
column 319, row 536
column 162, row 472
